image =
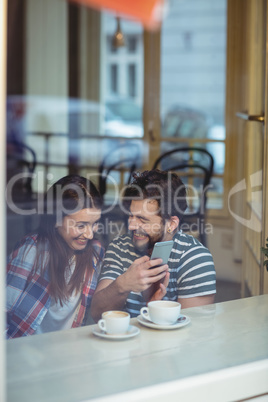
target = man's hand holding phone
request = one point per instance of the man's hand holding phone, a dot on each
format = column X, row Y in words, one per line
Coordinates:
column 141, row 274
column 162, row 250
column 158, row 289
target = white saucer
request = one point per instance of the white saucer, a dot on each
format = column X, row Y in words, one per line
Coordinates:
column 182, row 321
column 132, row 331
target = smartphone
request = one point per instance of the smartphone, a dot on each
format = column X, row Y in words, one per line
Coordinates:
column 162, row 250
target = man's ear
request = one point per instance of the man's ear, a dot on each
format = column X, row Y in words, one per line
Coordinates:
column 173, row 224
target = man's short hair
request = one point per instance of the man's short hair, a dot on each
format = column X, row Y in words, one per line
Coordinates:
column 164, row 187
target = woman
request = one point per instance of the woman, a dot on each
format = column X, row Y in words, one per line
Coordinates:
column 52, row 274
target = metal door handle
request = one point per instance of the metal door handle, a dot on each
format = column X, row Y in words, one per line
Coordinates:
column 250, row 117
column 151, row 135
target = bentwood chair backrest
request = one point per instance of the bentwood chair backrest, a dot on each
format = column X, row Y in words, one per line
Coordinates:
column 21, row 163
column 195, row 167
column 117, row 166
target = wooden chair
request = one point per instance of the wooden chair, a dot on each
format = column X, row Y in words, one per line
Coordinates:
column 195, row 167
column 20, row 198
column 21, row 162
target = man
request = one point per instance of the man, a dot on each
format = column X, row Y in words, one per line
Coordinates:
column 156, row 202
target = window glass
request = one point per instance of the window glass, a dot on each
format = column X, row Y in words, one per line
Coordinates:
column 132, row 80
column 123, row 95
column 114, row 78
column 193, row 59
column 132, row 43
column 72, row 99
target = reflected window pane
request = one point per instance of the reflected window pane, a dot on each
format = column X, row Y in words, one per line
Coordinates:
column 132, row 80
column 193, row 61
column 114, row 78
column 132, row 44
column 123, row 97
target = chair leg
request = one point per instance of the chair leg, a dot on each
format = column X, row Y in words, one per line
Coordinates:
column 203, row 238
column 202, row 233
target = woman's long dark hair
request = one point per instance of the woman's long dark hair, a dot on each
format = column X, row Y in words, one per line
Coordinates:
column 67, row 196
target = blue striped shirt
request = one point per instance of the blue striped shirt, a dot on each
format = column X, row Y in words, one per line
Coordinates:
column 191, row 267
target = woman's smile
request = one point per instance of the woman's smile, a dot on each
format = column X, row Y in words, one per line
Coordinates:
column 77, row 229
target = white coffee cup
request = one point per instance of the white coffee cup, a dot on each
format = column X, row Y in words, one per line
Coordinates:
column 162, row 312
column 114, row 322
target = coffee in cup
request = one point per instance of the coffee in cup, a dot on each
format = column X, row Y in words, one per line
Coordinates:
column 114, row 322
column 162, row 312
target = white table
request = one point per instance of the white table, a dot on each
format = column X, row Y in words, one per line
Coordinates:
column 221, row 355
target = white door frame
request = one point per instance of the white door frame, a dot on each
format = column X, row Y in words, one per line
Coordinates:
column 3, row 58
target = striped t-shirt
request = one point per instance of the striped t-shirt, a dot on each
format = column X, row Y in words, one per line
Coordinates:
column 191, row 268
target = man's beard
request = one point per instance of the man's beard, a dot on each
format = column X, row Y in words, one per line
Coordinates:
column 147, row 248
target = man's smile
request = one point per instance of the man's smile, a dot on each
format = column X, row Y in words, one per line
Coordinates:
column 139, row 236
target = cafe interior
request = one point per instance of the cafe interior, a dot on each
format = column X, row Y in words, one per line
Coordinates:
column 104, row 88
